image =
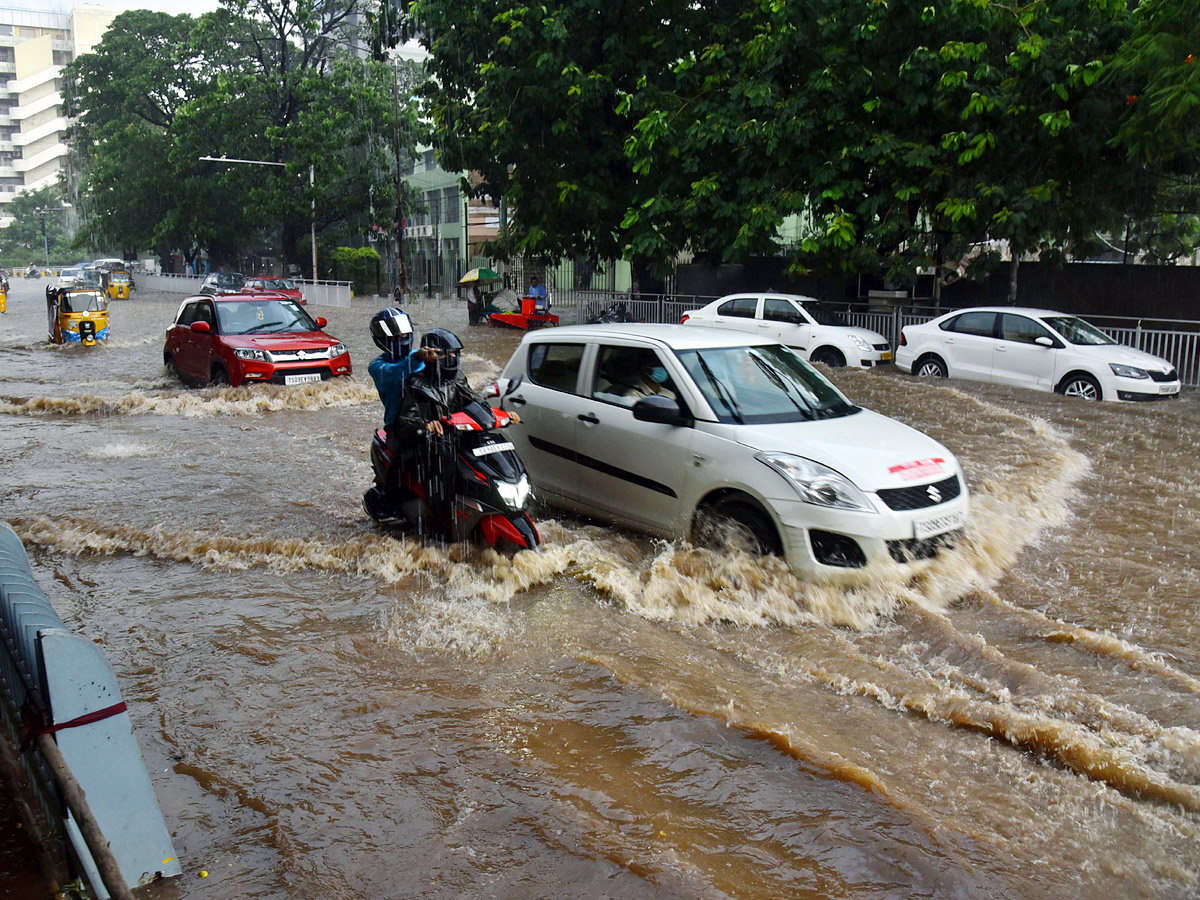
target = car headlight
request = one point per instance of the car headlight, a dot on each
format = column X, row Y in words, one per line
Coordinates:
column 861, row 344
column 817, row 484
column 338, row 350
column 514, row 495
column 1128, row 371
column 251, row 353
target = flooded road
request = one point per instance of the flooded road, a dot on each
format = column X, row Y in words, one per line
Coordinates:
column 328, row 711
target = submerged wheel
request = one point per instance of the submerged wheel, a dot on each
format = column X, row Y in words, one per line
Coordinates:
column 172, row 368
column 219, row 377
column 930, row 367
column 737, row 522
column 828, row 356
column 1081, row 385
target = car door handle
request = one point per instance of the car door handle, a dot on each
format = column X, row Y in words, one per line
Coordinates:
column 590, row 418
column 517, row 401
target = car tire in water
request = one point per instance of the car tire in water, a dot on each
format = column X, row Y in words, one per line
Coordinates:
column 1081, row 385
column 930, row 367
column 172, row 368
column 738, row 522
column 219, row 377
column 828, row 356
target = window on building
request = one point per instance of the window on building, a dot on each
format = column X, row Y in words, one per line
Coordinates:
column 6, row 29
column 7, row 54
column 450, row 198
column 61, row 57
column 430, row 160
column 433, row 199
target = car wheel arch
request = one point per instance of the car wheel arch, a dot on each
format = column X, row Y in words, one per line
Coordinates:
column 829, row 355
column 934, row 359
column 1079, row 375
column 727, row 500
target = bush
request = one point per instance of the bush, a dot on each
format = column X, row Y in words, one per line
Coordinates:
column 359, row 265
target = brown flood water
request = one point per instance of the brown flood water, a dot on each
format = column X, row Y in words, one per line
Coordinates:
column 328, row 711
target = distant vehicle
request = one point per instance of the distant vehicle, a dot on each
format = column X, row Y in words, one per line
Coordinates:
column 76, row 315
column 222, row 283
column 730, row 440
column 120, row 283
column 1034, row 348
column 71, row 276
column 241, row 338
column 277, row 284
column 806, row 325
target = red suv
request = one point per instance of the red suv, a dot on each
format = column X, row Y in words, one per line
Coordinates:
column 240, row 338
column 275, row 284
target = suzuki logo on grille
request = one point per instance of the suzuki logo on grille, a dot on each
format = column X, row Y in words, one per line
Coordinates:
column 935, row 495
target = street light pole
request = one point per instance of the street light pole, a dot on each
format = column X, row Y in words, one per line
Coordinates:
column 312, row 180
column 42, row 212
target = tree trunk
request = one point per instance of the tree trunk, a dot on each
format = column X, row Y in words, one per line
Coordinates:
column 1012, row 279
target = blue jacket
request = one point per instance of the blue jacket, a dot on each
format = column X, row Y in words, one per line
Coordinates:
column 390, row 379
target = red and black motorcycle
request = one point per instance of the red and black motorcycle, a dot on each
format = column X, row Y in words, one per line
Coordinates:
column 467, row 481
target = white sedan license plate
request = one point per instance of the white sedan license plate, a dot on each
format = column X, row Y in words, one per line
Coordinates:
column 1166, row 388
column 301, row 379
column 885, row 357
column 924, row 528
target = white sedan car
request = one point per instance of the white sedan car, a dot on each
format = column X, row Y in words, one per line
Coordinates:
column 1034, row 348
column 813, row 330
column 717, row 436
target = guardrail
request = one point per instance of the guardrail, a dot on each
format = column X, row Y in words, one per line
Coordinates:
column 316, row 293
column 1175, row 340
column 62, row 718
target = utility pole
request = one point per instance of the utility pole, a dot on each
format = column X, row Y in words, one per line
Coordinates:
column 401, row 266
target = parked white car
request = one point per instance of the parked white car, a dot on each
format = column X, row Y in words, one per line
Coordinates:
column 1034, row 348
column 814, row 331
column 700, row 433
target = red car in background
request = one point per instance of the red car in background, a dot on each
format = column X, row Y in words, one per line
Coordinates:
column 243, row 338
column 275, row 284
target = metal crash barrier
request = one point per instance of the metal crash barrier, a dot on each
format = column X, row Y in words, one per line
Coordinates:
column 316, row 293
column 69, row 745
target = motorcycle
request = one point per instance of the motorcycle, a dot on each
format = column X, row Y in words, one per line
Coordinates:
column 486, row 492
column 33, row 272
column 614, row 312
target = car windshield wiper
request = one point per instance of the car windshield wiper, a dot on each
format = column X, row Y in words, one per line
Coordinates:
column 723, row 391
column 778, row 381
column 261, row 327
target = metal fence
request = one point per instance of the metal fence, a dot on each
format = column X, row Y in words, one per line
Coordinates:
column 316, row 293
column 1176, row 340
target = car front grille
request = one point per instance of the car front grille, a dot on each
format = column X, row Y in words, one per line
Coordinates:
column 921, row 496
column 1169, row 375
column 883, row 348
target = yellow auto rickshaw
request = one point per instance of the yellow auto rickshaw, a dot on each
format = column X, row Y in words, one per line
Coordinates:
column 118, row 285
column 76, row 315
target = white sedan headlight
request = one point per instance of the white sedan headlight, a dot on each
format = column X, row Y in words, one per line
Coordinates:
column 861, row 344
column 1128, row 371
column 817, row 484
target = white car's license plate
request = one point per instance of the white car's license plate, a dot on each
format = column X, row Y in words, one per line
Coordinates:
column 301, row 379
column 885, row 357
column 923, row 528
column 1166, row 388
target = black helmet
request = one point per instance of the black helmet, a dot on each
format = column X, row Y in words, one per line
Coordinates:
column 450, row 348
column 393, row 332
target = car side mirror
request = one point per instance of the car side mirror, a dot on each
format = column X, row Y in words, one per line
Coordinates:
column 1044, row 341
column 201, row 327
column 322, row 321
column 660, row 410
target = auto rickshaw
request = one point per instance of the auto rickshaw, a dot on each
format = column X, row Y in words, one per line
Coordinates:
column 119, row 285
column 76, row 315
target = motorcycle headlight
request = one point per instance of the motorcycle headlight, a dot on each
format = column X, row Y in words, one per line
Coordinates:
column 817, row 484
column 514, row 495
column 251, row 353
column 1128, row 371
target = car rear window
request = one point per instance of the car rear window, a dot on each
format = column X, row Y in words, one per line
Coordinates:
column 740, row 307
column 555, row 365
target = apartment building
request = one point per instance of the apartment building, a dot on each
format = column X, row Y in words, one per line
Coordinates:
column 35, row 45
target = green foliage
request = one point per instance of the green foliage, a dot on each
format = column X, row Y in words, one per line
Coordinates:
column 266, row 80
column 22, row 238
column 357, row 264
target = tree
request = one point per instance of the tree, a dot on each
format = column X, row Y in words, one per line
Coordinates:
column 23, row 237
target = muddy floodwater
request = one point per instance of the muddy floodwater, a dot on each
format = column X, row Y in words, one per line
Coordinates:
column 329, row 711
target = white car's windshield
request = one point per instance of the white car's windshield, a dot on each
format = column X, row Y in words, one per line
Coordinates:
column 1078, row 331
column 764, row 384
column 261, row 316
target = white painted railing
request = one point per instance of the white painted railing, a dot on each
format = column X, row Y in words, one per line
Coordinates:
column 316, row 293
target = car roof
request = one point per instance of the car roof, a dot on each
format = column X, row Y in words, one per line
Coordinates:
column 1024, row 310
column 675, row 337
column 775, row 295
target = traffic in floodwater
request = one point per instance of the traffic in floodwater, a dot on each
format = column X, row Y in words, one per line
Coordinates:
column 328, row 708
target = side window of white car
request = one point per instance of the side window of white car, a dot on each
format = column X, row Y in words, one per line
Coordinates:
column 1021, row 329
column 739, row 307
column 981, row 324
column 776, row 310
column 626, row 374
column 555, row 365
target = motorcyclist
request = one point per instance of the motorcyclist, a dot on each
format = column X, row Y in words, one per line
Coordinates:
column 392, row 331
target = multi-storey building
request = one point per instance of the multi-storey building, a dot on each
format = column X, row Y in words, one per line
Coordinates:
column 34, row 47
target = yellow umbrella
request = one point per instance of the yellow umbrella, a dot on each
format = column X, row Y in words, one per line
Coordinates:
column 482, row 275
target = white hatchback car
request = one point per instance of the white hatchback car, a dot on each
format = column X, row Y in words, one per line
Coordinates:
column 806, row 325
column 1034, row 348
column 708, row 433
